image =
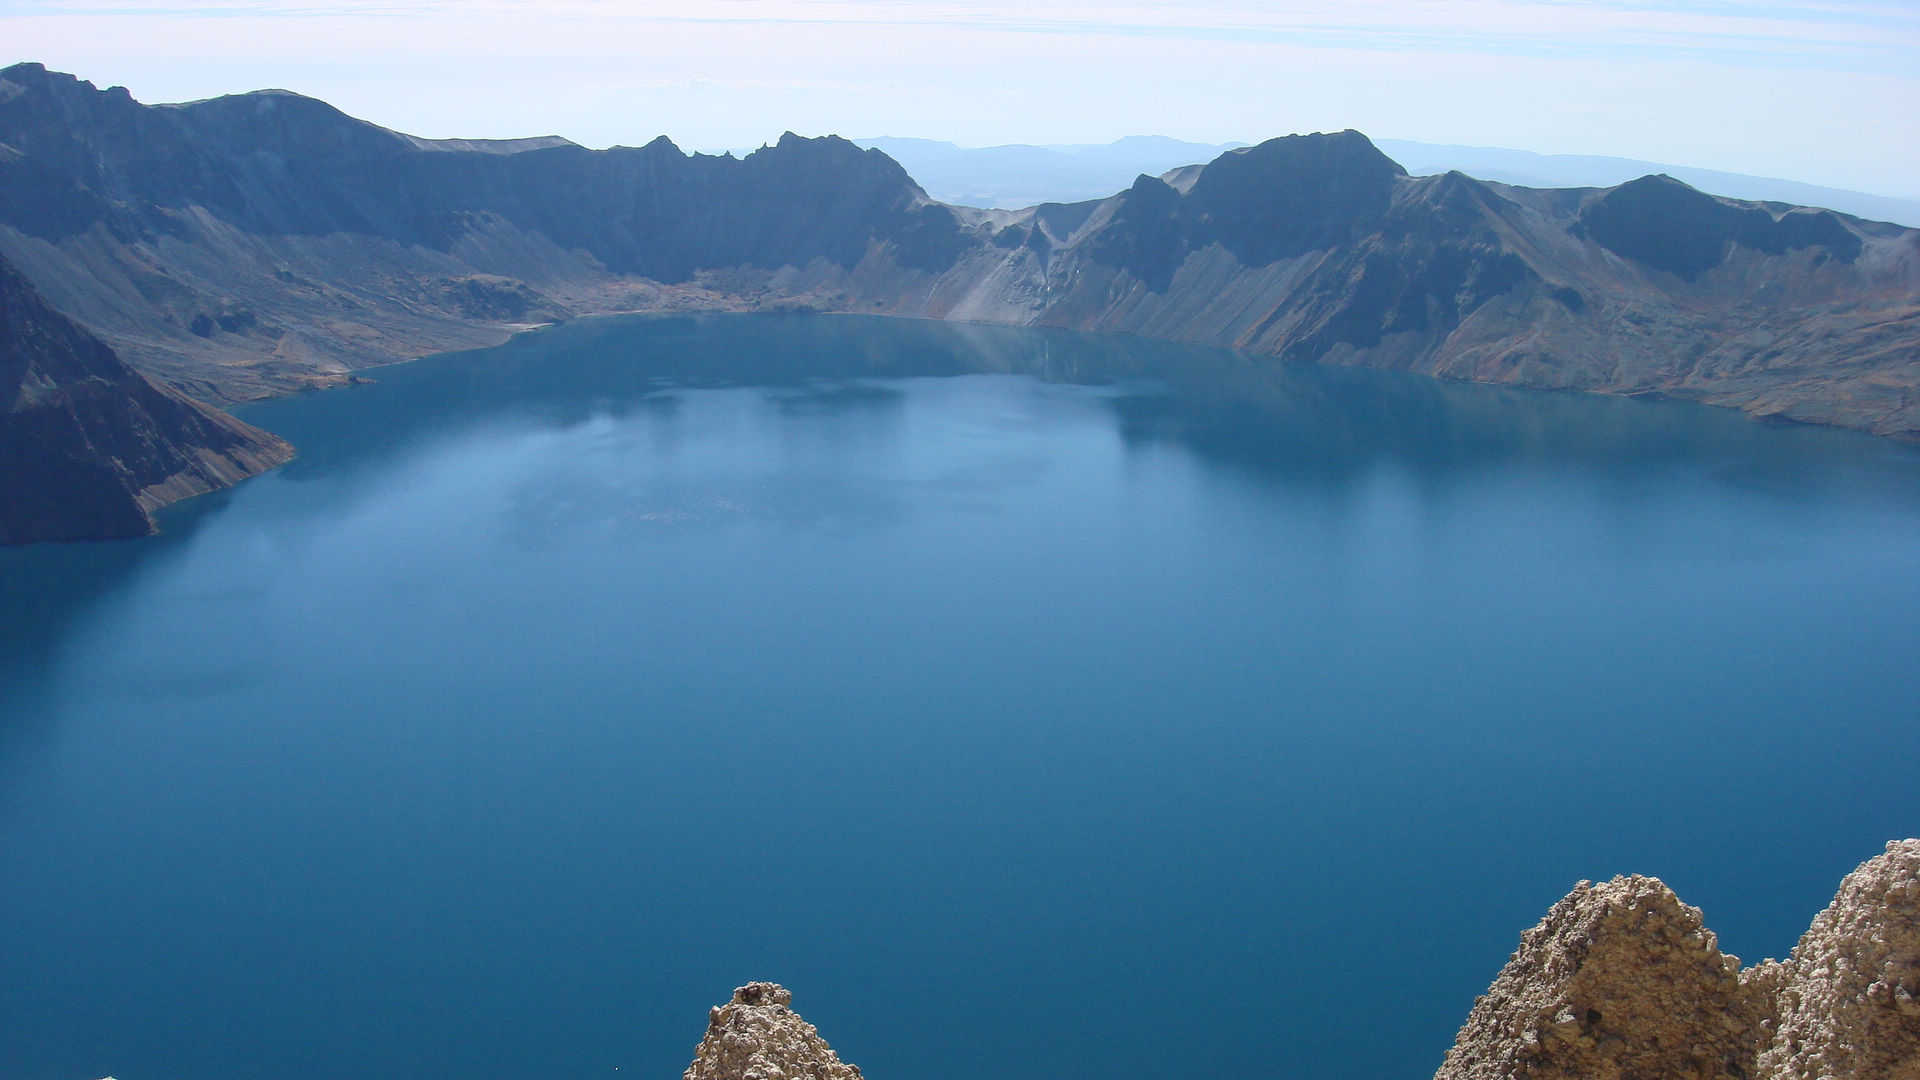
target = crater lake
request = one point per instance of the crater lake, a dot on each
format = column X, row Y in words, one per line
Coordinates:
column 1032, row 704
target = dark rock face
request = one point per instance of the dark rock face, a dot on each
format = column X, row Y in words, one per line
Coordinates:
column 1664, row 224
column 88, row 447
column 1280, row 199
column 1146, row 235
column 1289, row 196
column 1425, row 265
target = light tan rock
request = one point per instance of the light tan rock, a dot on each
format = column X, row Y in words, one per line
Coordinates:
column 1621, row 981
column 1848, row 1000
column 758, row 1036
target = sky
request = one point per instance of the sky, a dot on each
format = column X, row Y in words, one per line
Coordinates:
column 1822, row 91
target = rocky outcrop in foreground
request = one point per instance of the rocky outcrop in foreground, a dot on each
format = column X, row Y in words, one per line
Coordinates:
column 1848, row 1000
column 758, row 1036
column 1622, row 980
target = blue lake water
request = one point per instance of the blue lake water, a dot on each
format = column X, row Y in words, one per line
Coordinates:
column 1034, row 705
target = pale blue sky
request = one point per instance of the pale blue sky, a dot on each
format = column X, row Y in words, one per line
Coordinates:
column 1826, row 91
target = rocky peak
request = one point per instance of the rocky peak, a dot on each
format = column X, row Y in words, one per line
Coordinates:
column 1620, row 979
column 1664, row 224
column 55, row 116
column 757, row 1036
column 834, row 160
column 1292, row 195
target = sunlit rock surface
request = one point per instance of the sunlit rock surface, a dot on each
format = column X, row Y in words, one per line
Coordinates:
column 1848, row 1001
column 758, row 1036
column 1623, row 981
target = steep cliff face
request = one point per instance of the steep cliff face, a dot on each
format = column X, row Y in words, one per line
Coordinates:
column 1622, row 980
column 257, row 243
column 88, row 447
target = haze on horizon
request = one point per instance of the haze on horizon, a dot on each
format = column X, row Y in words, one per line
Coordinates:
column 1820, row 91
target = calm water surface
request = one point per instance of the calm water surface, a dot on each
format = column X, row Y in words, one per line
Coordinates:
column 1034, row 705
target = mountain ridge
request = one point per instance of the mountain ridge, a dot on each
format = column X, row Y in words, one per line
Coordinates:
column 254, row 244
column 1018, row 175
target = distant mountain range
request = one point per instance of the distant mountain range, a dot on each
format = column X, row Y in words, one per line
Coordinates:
column 1017, row 176
column 259, row 243
column 1020, row 175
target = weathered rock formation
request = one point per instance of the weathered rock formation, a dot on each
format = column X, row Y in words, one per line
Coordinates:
column 758, row 1036
column 1847, row 1002
column 257, row 243
column 1622, row 981
column 89, row 447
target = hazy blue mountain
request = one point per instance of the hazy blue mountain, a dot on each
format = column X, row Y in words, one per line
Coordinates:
column 1016, row 176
